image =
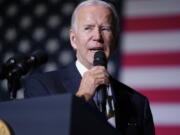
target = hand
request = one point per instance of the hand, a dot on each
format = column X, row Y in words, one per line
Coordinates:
column 91, row 80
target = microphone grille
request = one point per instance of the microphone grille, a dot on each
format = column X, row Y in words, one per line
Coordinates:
column 37, row 58
column 100, row 59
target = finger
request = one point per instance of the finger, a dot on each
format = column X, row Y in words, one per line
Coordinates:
column 97, row 68
column 99, row 71
column 101, row 81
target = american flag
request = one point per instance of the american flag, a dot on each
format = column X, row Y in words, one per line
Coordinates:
column 151, row 58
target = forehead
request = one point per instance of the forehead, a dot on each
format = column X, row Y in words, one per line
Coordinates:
column 94, row 12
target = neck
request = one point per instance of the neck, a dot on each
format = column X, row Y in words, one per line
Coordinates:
column 87, row 65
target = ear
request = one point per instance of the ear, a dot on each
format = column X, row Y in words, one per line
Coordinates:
column 73, row 39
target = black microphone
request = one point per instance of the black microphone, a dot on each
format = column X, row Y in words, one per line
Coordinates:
column 6, row 67
column 24, row 66
column 36, row 59
column 100, row 60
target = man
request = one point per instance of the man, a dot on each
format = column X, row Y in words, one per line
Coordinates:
column 94, row 28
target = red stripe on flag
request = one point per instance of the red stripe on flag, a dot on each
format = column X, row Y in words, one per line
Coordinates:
column 151, row 59
column 167, row 130
column 161, row 95
column 152, row 23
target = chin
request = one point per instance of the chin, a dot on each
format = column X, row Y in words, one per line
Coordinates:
column 90, row 62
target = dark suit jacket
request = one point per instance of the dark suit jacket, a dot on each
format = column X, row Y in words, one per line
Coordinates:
column 133, row 114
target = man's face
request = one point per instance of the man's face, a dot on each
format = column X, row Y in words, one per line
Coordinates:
column 94, row 31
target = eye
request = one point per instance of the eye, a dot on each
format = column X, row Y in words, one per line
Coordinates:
column 88, row 28
column 106, row 28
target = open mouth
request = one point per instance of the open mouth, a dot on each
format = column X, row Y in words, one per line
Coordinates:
column 96, row 49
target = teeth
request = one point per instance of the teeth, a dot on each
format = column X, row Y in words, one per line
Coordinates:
column 93, row 50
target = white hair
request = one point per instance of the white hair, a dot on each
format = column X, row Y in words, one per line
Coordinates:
column 95, row 2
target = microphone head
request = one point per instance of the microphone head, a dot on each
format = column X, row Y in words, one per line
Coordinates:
column 34, row 60
column 37, row 58
column 20, row 65
column 10, row 64
column 100, row 59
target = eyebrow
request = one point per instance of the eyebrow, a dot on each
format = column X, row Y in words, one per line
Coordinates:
column 91, row 25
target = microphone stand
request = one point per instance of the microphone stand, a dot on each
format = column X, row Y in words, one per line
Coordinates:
column 14, row 78
column 13, row 84
column 18, row 69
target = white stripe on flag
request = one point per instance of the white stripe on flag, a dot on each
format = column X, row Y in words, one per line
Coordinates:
column 166, row 114
column 151, row 42
column 149, row 77
column 151, row 7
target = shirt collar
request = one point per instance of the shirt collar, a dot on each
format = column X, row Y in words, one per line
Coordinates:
column 81, row 68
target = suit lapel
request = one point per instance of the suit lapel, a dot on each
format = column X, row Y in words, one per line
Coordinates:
column 123, row 107
column 71, row 78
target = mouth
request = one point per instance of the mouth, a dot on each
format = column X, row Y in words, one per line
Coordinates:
column 95, row 49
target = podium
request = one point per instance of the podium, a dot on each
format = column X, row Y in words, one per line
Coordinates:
column 54, row 115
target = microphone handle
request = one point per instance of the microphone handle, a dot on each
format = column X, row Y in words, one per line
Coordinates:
column 101, row 98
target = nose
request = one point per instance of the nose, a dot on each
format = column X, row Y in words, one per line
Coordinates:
column 97, row 35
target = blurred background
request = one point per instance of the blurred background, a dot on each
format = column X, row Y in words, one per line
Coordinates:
column 147, row 59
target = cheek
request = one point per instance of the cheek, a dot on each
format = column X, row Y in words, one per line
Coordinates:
column 109, row 45
column 83, row 42
column 81, row 47
column 109, row 40
column 81, row 38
